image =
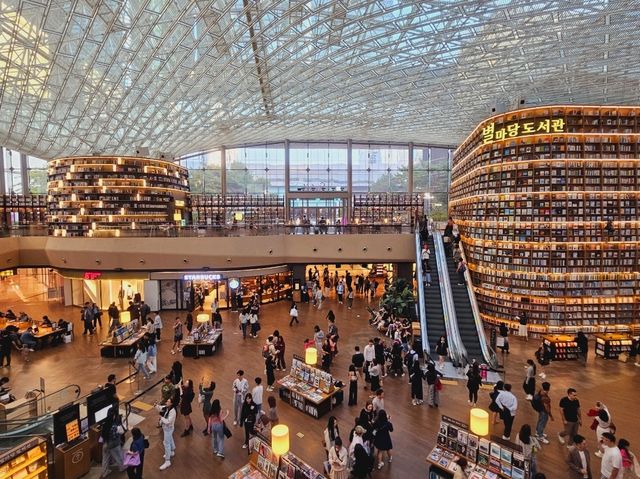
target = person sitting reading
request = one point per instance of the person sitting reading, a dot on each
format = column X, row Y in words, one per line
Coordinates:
column 46, row 322
column 28, row 339
column 10, row 315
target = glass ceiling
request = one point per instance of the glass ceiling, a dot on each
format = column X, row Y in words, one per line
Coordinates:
column 180, row 76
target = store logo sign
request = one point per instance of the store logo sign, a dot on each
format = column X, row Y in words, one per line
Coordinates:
column 522, row 128
column 202, row 277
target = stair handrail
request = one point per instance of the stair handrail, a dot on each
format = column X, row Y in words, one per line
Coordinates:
column 422, row 310
column 457, row 351
column 487, row 352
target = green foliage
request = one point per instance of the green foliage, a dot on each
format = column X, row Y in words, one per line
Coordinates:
column 398, row 299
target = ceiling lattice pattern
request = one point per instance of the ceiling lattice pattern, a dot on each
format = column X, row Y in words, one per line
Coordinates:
column 184, row 76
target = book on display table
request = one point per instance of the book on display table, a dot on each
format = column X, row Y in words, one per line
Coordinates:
column 123, row 342
column 309, row 389
column 562, row 347
column 264, row 464
column 202, row 343
column 487, row 459
column 610, row 346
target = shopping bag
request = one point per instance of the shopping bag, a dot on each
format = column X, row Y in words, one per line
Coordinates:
column 131, row 459
column 500, row 342
column 623, row 357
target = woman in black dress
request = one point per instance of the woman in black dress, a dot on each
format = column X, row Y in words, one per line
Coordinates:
column 248, row 419
column 269, row 367
column 493, row 407
column 416, row 375
column 474, row 380
column 382, row 439
column 366, row 419
column 207, row 395
column 185, row 406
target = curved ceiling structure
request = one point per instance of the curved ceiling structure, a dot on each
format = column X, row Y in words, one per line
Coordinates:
column 183, row 76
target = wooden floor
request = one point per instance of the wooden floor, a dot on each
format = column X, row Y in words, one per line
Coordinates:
column 415, row 427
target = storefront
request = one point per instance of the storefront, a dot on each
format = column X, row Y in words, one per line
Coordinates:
column 106, row 287
column 195, row 290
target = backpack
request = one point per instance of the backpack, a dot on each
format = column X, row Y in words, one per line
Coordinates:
column 265, row 351
column 536, row 403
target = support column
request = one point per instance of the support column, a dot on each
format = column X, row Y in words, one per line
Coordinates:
column 223, row 171
column 349, row 212
column 410, row 170
column 3, row 187
column 405, row 271
column 24, row 173
column 287, row 180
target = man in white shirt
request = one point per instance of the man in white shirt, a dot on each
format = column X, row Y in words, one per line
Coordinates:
column 157, row 325
column 240, row 389
column 611, row 465
column 167, row 421
column 256, row 395
column 509, row 405
column 369, row 356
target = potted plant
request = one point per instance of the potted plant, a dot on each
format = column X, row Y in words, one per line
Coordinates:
column 398, row 299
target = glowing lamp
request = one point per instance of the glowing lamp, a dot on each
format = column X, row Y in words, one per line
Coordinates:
column 479, row 419
column 280, row 439
column 311, row 356
column 177, row 217
column 125, row 317
column 202, row 318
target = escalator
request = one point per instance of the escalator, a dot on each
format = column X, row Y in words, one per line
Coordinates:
column 465, row 316
column 433, row 303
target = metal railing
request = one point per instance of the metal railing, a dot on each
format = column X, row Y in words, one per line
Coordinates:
column 489, row 354
column 37, row 410
column 196, row 231
column 457, row 351
column 422, row 310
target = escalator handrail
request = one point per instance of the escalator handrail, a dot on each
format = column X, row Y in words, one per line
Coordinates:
column 457, row 351
column 487, row 352
column 422, row 310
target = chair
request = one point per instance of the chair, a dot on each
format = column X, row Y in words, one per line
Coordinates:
column 70, row 328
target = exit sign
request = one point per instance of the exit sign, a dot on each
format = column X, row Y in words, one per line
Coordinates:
column 92, row 275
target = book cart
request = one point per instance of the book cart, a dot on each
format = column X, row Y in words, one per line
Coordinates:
column 562, row 347
column 309, row 389
column 263, row 464
column 610, row 346
column 487, row 458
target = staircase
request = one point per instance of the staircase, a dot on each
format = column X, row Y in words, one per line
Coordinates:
column 464, row 316
column 433, row 304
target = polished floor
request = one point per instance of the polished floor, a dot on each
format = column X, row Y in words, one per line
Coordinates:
column 415, row 427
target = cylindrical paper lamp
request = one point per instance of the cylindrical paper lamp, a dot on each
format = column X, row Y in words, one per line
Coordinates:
column 479, row 419
column 202, row 318
column 280, row 439
column 311, row 356
column 125, row 317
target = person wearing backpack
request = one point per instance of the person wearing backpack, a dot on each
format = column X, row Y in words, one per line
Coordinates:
column 541, row 403
column 111, row 434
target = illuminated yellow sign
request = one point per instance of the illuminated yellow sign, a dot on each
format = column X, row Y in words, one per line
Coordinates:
column 516, row 129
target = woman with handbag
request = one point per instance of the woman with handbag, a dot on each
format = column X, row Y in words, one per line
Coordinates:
column 338, row 460
column 433, row 382
column 216, row 428
column 134, row 457
column 602, row 423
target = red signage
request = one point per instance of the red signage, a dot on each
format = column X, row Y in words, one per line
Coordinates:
column 92, row 275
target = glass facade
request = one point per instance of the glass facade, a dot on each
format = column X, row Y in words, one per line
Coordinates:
column 205, row 172
column 23, row 175
column 432, row 175
column 380, row 168
column 318, row 167
column 12, row 172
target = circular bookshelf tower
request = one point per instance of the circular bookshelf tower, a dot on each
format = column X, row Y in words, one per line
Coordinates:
column 546, row 201
column 108, row 195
